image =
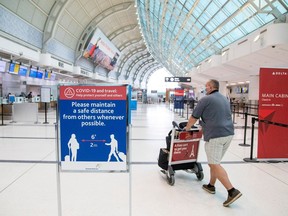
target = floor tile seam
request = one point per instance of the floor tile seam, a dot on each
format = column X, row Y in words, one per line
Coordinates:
column 33, row 161
column 29, row 161
column 139, row 139
column 25, row 124
column 17, row 178
column 263, row 170
column 132, row 163
column 236, row 155
column 202, row 162
column 273, row 164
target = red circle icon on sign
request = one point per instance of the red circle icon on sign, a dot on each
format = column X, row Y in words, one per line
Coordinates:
column 69, row 92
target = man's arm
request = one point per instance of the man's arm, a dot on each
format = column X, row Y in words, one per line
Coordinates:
column 190, row 123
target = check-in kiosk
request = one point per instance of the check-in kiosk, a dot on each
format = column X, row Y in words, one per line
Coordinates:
column 19, row 99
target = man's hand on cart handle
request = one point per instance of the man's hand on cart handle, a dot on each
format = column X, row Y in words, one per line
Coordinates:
column 190, row 123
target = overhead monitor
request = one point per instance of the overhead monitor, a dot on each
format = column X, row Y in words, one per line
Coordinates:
column 47, row 75
column 33, row 72
column 245, row 89
column 40, row 74
column 14, row 68
column 53, row 76
column 22, row 70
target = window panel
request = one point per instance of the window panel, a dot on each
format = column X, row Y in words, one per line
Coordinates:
column 220, row 18
column 203, row 4
column 279, row 7
column 212, row 8
column 230, row 8
column 189, row 4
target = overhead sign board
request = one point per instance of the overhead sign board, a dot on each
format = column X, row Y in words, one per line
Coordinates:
column 177, row 79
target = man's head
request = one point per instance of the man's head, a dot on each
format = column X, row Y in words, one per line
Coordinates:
column 211, row 85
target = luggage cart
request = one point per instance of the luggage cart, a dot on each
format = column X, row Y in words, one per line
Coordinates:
column 181, row 153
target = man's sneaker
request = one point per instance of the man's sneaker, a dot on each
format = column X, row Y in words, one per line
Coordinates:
column 209, row 189
column 235, row 195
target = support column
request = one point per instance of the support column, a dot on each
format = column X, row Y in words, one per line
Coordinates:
column 223, row 88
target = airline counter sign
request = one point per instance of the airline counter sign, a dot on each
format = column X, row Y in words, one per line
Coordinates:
column 273, row 106
column 93, row 128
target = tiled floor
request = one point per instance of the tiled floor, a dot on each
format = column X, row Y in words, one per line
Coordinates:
column 30, row 184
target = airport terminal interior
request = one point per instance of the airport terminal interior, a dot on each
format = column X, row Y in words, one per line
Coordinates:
column 141, row 65
column 29, row 181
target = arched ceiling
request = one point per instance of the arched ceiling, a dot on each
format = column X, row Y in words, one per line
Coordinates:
column 116, row 19
column 71, row 22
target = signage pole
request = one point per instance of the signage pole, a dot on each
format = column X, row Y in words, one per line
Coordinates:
column 130, row 174
column 58, row 179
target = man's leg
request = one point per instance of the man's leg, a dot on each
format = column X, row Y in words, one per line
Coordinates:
column 218, row 172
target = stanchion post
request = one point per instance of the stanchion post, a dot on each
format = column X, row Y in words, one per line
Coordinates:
column 187, row 110
column 252, row 144
column 238, row 106
column 45, row 114
column 244, row 109
column 234, row 113
column 245, row 129
column 2, row 113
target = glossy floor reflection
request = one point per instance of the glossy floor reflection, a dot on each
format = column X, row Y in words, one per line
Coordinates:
column 30, row 184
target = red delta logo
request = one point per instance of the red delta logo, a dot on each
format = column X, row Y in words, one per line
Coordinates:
column 69, row 92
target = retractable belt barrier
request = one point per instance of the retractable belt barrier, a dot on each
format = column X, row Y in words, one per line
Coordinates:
column 251, row 159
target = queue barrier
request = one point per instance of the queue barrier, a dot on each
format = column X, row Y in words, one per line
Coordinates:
column 254, row 119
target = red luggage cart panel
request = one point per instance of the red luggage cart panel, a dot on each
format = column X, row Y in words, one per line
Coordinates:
column 188, row 135
column 183, row 151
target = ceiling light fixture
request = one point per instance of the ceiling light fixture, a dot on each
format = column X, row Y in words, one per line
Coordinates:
column 256, row 38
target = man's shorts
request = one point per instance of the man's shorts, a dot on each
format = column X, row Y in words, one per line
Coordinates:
column 216, row 147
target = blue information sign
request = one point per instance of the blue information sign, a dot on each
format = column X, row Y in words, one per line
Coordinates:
column 93, row 128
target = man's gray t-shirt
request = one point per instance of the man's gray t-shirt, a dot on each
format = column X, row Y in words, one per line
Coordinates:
column 216, row 121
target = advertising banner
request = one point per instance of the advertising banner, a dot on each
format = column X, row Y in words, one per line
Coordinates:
column 101, row 51
column 185, row 148
column 185, row 151
column 273, row 106
column 93, row 128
